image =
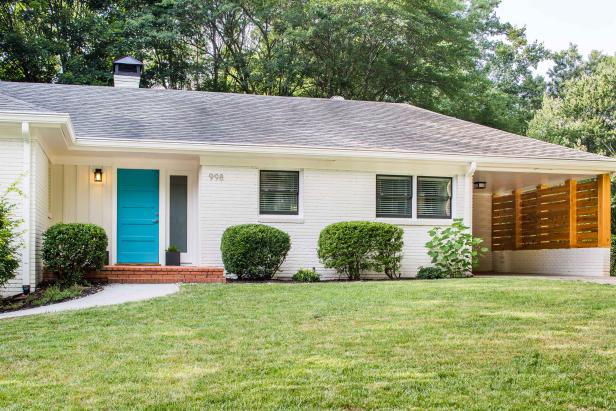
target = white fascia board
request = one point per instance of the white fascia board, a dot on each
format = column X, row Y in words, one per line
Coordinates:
column 484, row 163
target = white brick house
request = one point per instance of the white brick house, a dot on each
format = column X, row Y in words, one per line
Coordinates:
column 210, row 160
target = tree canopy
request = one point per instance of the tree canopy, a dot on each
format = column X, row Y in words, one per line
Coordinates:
column 583, row 113
column 451, row 56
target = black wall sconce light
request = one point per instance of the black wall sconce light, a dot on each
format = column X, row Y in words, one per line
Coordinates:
column 479, row 185
column 98, row 175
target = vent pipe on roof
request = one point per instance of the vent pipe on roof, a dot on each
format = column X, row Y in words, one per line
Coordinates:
column 337, row 98
column 127, row 72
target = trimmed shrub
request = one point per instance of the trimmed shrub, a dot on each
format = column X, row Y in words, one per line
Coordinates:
column 72, row 250
column 254, row 251
column 454, row 249
column 355, row 246
column 10, row 237
column 431, row 273
column 387, row 249
column 306, row 276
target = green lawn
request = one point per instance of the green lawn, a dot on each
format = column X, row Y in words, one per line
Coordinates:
column 477, row 343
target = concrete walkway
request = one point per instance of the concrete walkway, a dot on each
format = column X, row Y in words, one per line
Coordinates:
column 596, row 280
column 110, row 295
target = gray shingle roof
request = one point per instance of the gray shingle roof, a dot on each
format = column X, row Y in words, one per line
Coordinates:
column 8, row 103
column 221, row 118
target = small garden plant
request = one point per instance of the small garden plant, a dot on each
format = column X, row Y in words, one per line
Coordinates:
column 454, row 250
column 356, row 246
column 10, row 236
column 70, row 251
column 254, row 251
column 431, row 273
column 305, row 275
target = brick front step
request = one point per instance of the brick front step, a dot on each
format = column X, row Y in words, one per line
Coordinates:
column 142, row 274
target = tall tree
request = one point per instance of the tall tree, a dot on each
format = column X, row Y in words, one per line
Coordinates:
column 584, row 114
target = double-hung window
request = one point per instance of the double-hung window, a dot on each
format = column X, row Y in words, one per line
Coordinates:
column 434, row 197
column 279, row 192
column 394, row 196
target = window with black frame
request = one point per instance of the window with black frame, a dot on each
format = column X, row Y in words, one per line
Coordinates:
column 394, row 196
column 434, row 197
column 279, row 192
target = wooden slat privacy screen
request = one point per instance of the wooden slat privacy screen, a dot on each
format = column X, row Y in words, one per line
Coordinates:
column 566, row 216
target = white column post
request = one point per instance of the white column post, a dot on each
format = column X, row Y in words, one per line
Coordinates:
column 27, row 204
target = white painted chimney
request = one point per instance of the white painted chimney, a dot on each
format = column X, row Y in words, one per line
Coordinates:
column 127, row 72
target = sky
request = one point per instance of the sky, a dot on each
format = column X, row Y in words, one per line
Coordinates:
column 591, row 24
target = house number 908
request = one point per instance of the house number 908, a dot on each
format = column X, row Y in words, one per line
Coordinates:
column 216, row 177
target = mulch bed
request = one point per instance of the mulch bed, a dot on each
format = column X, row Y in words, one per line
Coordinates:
column 21, row 301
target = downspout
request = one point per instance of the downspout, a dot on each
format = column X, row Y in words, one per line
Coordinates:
column 27, row 209
column 468, row 198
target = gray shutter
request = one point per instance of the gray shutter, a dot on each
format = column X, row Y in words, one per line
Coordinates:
column 434, row 197
column 279, row 192
column 394, row 196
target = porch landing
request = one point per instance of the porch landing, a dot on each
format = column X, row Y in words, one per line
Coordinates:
column 143, row 274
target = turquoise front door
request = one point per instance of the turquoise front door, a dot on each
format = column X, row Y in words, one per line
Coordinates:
column 138, row 216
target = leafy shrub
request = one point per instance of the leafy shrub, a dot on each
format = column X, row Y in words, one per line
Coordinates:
column 431, row 273
column 254, row 251
column 613, row 257
column 172, row 249
column 454, row 250
column 355, row 246
column 387, row 249
column 10, row 237
column 306, row 276
column 72, row 250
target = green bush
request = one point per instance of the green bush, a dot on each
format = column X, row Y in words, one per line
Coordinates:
column 387, row 240
column 306, row 276
column 613, row 257
column 72, row 250
column 430, row 273
column 10, row 237
column 454, row 250
column 254, row 251
column 355, row 246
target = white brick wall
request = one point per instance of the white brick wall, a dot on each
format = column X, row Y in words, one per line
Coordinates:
column 40, row 210
column 562, row 261
column 326, row 196
column 11, row 168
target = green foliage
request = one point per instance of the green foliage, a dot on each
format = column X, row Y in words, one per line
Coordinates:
column 583, row 115
column 454, row 250
column 72, row 250
column 356, row 246
column 172, row 249
column 10, row 237
column 451, row 56
column 55, row 293
column 613, row 257
column 431, row 273
column 306, row 276
column 254, row 251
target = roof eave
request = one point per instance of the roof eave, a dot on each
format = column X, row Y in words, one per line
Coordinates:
column 487, row 163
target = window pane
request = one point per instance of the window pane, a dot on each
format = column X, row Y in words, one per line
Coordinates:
column 393, row 196
column 279, row 192
column 178, row 212
column 434, row 197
